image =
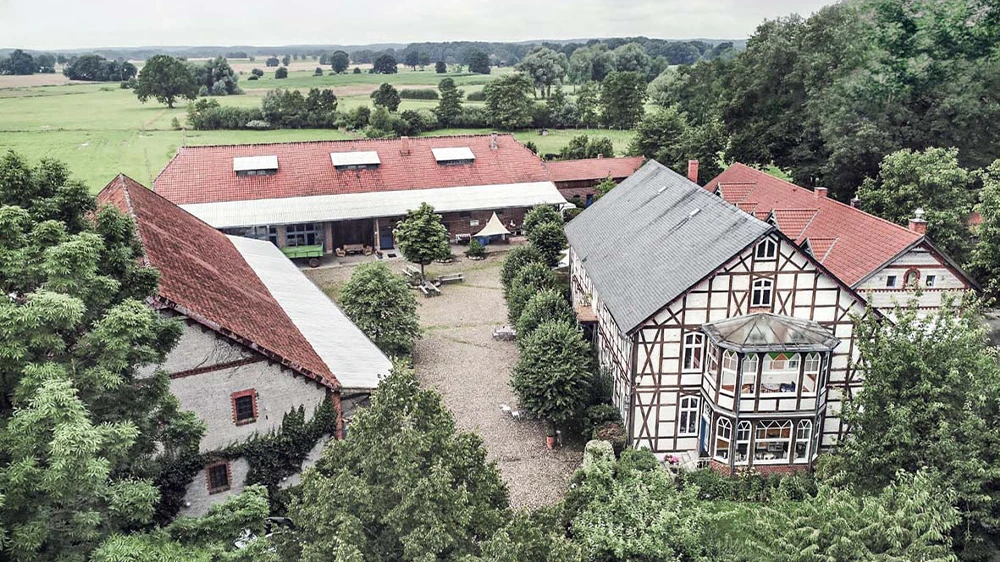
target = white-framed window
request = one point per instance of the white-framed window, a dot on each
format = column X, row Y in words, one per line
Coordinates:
column 803, row 441
column 817, row 436
column 729, row 363
column 749, row 378
column 930, row 280
column 713, row 359
column 694, row 349
column 766, row 250
column 760, row 294
column 890, row 281
column 780, row 372
column 743, row 431
column 772, row 442
column 687, row 417
column 723, row 436
column 810, row 375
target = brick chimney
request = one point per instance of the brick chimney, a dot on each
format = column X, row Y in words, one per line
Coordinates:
column 917, row 223
column 819, row 192
column 404, row 145
column 693, row 170
column 856, row 202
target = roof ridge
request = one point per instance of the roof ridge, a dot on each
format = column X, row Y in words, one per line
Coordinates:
column 320, row 141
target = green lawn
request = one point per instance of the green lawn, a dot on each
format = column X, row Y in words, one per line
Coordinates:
column 100, row 130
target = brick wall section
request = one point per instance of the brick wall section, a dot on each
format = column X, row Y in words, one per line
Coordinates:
column 461, row 223
column 765, row 469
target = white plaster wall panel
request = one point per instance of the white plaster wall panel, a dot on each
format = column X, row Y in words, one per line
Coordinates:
column 197, row 498
column 208, row 395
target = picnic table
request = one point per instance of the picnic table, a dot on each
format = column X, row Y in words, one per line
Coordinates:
column 451, row 278
column 429, row 290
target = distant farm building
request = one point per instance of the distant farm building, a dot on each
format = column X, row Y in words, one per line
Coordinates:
column 576, row 179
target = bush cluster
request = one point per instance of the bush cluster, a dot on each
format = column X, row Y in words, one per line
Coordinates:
column 418, row 94
column 208, row 115
column 749, row 485
column 478, row 95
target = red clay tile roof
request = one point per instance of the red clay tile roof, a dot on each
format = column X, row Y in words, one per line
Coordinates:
column 594, row 168
column 848, row 241
column 747, row 207
column 204, row 174
column 205, row 277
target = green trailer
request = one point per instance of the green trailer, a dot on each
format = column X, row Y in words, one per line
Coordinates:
column 312, row 253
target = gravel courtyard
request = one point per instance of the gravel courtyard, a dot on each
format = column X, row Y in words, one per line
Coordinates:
column 458, row 357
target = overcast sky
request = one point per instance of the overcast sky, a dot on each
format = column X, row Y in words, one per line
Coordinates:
column 65, row 24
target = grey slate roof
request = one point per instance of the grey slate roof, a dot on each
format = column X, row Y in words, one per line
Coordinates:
column 654, row 236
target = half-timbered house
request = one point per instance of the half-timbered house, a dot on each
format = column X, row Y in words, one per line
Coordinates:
column 725, row 340
column 889, row 263
column 259, row 339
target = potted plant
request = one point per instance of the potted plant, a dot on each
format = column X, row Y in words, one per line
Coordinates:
column 550, row 435
column 476, row 250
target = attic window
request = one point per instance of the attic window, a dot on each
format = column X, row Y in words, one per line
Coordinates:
column 366, row 160
column 455, row 156
column 255, row 166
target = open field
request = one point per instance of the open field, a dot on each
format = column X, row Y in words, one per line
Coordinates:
column 99, row 129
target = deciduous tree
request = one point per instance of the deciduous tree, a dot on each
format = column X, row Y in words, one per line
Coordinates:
column 550, row 239
column 382, row 305
column 385, row 64
column 517, row 259
column 166, row 79
column 508, row 102
column 386, row 96
column 530, row 279
column 422, row 237
column 450, row 106
column 985, row 260
column 538, row 215
column 440, row 67
column 546, row 306
column 545, row 67
column 339, row 61
column 479, row 62
column 553, row 374
column 622, row 97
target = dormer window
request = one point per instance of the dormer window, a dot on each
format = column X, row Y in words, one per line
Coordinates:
column 455, row 156
column 766, row 250
column 255, row 166
column 363, row 160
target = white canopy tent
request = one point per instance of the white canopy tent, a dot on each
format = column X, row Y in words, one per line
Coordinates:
column 493, row 228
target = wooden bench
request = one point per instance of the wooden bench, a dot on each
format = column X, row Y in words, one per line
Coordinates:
column 451, row 278
column 429, row 290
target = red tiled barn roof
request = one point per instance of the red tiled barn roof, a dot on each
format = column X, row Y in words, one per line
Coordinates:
column 594, row 168
column 848, row 241
column 205, row 277
column 204, row 174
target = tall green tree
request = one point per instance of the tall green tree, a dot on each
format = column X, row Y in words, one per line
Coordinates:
column 548, row 305
column 553, row 374
column 540, row 214
column 530, row 279
column 545, row 67
column 404, row 485
column 932, row 180
column 516, row 259
column 985, row 260
column 550, row 240
column 931, row 399
column 450, row 106
column 479, row 62
column 622, row 97
column 165, row 79
column 339, row 61
column 83, row 437
column 507, row 101
column 385, row 64
column 382, row 305
column 422, row 237
column 386, row 96
column 631, row 57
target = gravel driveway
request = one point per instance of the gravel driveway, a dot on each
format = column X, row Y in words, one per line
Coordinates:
column 458, row 357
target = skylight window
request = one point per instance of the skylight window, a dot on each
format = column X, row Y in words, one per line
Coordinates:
column 255, row 165
column 365, row 160
column 454, row 156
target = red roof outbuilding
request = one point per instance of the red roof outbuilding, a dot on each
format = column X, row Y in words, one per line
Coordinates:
column 594, row 168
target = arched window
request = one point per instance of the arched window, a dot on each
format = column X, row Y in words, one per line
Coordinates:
column 723, row 436
column 772, row 442
column 694, row 347
column 713, row 359
column 743, row 431
column 729, row 363
column 749, row 379
column 766, row 250
column 810, row 376
column 687, row 417
column 780, row 372
column 803, row 441
column 911, row 279
column 760, row 295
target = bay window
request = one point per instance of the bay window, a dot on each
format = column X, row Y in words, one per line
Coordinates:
column 772, row 442
column 749, row 378
column 803, row 441
column 723, row 436
column 743, row 431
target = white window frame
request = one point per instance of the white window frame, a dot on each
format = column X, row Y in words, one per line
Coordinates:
column 758, row 290
column 687, row 415
column 766, row 250
column 803, row 434
column 750, row 363
column 730, row 366
column 808, row 370
column 693, row 358
column 722, row 426
column 760, row 437
column 930, row 280
column 744, row 430
column 781, row 367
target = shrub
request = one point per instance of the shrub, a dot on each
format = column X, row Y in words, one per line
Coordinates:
column 553, row 374
column 281, row 73
column 418, row 94
column 544, row 306
column 612, row 432
column 219, row 88
column 476, row 249
column 203, row 91
column 516, row 260
column 472, row 117
column 359, row 117
column 259, row 124
column 252, row 77
column 531, row 146
column 318, row 71
column 175, row 124
column 550, row 240
column 478, row 95
column 532, row 278
column 538, row 215
column 571, row 214
column 257, row 72
column 381, row 304
column 357, row 70
column 207, row 115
